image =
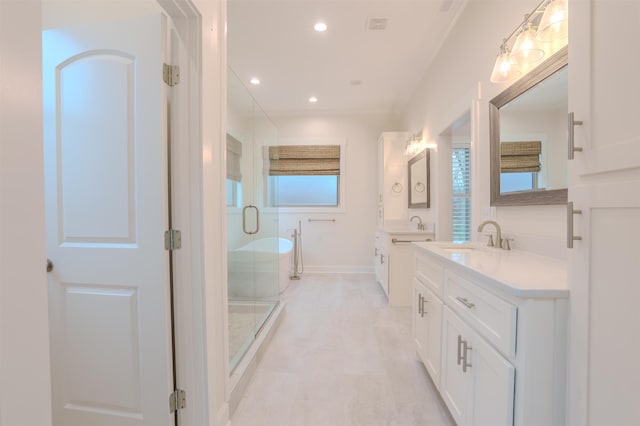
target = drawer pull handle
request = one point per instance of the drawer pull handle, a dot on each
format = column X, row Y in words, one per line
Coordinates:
column 422, row 306
column 419, row 304
column 466, row 302
column 460, row 349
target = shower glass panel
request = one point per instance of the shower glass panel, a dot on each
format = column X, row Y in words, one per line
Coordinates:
column 252, row 232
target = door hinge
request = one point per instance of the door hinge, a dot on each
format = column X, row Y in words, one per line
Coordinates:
column 177, row 400
column 171, row 74
column 172, row 239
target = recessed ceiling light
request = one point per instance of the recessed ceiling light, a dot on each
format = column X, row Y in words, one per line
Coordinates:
column 313, row 99
column 255, row 81
column 320, row 27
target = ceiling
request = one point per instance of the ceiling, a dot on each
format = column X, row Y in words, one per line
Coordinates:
column 350, row 68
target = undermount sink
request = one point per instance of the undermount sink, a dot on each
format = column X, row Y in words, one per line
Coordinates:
column 457, row 247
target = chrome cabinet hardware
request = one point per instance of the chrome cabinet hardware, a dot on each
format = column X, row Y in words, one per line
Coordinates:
column 49, row 265
column 395, row 241
column 422, row 306
column 419, row 304
column 381, row 259
column 465, row 350
column 244, row 220
column 465, row 302
column 572, row 147
column 570, row 237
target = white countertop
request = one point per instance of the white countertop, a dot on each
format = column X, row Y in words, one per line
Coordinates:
column 519, row 273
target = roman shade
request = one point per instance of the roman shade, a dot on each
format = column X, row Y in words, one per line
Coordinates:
column 234, row 154
column 519, row 157
column 304, row 160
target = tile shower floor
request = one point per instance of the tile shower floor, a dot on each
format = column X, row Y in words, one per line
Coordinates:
column 341, row 356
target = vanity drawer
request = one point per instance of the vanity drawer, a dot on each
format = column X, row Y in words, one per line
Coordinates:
column 494, row 318
column 430, row 273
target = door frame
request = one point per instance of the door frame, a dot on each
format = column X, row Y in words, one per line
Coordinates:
column 199, row 211
column 199, row 306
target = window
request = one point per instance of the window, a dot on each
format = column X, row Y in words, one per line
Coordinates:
column 304, row 176
column 518, row 181
column 461, row 201
column 519, row 165
column 234, row 172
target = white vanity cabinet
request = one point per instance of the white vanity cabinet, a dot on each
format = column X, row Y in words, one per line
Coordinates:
column 500, row 342
column 427, row 312
column 381, row 262
column 394, row 263
column 427, row 322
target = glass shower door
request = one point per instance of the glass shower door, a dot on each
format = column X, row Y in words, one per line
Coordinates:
column 252, row 230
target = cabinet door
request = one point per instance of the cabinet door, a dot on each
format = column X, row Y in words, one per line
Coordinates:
column 603, row 184
column 455, row 384
column 493, row 385
column 432, row 309
column 384, row 271
column 420, row 331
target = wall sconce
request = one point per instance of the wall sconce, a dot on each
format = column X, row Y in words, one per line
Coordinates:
column 541, row 33
column 414, row 145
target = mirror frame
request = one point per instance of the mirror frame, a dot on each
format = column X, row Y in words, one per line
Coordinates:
column 547, row 68
column 418, row 157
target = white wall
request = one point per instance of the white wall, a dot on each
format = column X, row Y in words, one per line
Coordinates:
column 24, row 331
column 459, row 76
column 347, row 244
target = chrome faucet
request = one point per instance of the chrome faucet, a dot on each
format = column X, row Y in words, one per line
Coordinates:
column 420, row 224
column 498, row 233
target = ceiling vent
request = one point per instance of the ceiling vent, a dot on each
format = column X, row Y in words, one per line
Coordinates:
column 377, row 24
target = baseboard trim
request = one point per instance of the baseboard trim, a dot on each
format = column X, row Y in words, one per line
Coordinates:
column 338, row 269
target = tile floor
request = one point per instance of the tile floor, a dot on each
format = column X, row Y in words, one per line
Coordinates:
column 341, row 356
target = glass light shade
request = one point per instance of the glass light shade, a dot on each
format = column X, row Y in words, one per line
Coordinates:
column 503, row 69
column 526, row 49
column 554, row 24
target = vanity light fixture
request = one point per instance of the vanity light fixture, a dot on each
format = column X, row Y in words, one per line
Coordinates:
column 527, row 49
column 554, row 24
column 503, row 69
column 414, row 145
column 540, row 34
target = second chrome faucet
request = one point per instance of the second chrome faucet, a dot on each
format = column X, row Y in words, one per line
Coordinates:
column 500, row 243
column 420, row 224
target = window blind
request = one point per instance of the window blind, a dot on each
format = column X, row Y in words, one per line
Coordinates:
column 234, row 154
column 461, row 189
column 304, row 160
column 519, row 157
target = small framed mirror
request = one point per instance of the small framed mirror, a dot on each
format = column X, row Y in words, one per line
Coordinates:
column 418, row 169
column 528, row 133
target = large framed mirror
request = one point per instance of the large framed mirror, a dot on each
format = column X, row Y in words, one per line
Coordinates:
column 528, row 133
column 418, row 171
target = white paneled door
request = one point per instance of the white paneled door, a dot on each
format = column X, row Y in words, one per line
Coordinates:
column 106, row 206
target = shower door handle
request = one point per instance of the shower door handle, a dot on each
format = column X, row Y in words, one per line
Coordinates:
column 244, row 220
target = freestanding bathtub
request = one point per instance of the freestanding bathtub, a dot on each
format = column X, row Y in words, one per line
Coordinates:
column 260, row 269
